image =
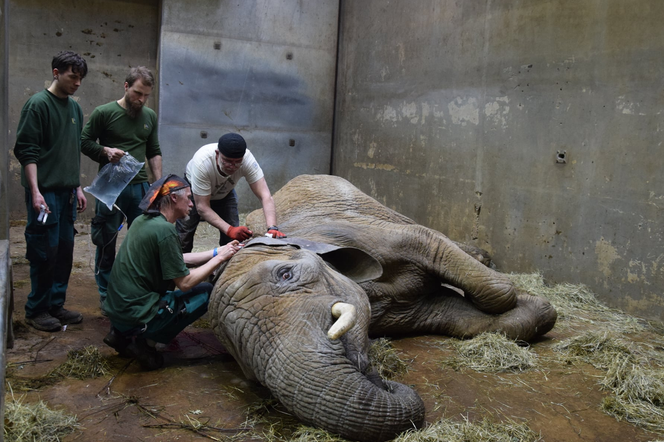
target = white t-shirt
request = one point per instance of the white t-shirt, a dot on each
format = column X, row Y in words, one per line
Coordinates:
column 205, row 178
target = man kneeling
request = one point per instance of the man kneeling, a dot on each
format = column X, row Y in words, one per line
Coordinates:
column 152, row 294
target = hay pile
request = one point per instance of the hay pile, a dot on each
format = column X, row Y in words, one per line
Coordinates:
column 309, row 434
column 83, row 363
column 35, row 422
column 491, row 353
column 268, row 420
column 386, row 360
column 86, row 363
column 635, row 380
column 598, row 349
column 576, row 303
column 466, row 431
column 633, row 372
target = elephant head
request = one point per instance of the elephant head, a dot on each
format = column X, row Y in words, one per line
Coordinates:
column 300, row 327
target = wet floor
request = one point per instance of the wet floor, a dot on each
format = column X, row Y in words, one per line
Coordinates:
column 201, row 382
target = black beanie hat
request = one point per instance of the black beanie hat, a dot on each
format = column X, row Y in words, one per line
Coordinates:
column 232, row 145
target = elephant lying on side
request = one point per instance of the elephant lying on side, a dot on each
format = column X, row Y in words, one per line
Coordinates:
column 275, row 305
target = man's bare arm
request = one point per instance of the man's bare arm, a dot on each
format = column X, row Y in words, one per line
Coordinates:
column 262, row 192
column 198, row 274
column 205, row 211
column 155, row 166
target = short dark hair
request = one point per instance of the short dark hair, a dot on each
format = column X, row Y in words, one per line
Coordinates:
column 69, row 59
column 140, row 72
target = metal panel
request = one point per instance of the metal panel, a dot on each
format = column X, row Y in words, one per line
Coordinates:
column 262, row 69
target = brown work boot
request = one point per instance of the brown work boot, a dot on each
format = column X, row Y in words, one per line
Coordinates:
column 66, row 316
column 44, row 322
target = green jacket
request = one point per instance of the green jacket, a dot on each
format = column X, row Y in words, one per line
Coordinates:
column 49, row 135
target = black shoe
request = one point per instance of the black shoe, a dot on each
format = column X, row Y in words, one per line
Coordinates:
column 119, row 343
column 66, row 316
column 148, row 356
column 44, row 322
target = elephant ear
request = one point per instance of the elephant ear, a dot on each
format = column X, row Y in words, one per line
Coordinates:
column 355, row 264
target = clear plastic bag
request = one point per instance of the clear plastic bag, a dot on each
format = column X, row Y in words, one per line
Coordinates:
column 113, row 178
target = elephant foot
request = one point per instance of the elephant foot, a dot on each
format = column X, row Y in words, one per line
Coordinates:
column 531, row 318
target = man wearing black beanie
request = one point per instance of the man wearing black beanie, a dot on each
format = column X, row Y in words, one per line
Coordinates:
column 213, row 173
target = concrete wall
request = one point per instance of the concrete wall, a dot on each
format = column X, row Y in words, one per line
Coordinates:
column 4, row 122
column 5, row 263
column 262, row 68
column 112, row 35
column 454, row 113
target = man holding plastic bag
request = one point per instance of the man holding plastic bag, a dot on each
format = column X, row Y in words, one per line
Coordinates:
column 115, row 129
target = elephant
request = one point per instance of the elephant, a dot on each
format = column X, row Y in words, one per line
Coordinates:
column 298, row 314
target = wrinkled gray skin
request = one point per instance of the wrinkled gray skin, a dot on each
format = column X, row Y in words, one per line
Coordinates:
column 271, row 306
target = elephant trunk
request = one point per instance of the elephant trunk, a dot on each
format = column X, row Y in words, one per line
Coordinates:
column 325, row 390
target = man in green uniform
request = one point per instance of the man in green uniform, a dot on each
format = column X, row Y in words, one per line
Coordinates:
column 48, row 146
column 141, row 299
column 114, row 129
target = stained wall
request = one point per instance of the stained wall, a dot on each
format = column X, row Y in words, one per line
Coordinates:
column 4, row 141
column 261, row 68
column 112, row 36
column 531, row 129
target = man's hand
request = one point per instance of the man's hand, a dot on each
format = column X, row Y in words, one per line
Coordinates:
column 81, row 201
column 226, row 252
column 112, row 154
column 239, row 233
column 274, row 231
column 38, row 201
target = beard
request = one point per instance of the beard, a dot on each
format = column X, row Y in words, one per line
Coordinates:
column 134, row 108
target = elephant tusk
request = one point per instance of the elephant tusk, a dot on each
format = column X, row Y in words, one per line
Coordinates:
column 347, row 317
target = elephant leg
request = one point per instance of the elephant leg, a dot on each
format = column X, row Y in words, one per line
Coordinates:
column 438, row 256
column 479, row 254
column 453, row 315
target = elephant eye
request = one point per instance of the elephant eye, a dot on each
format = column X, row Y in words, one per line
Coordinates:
column 285, row 274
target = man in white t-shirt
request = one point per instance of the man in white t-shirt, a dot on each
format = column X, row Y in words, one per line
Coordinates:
column 213, row 173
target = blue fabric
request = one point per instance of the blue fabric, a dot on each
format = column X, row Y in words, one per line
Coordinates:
column 50, row 250
column 226, row 208
column 185, row 308
column 105, row 227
